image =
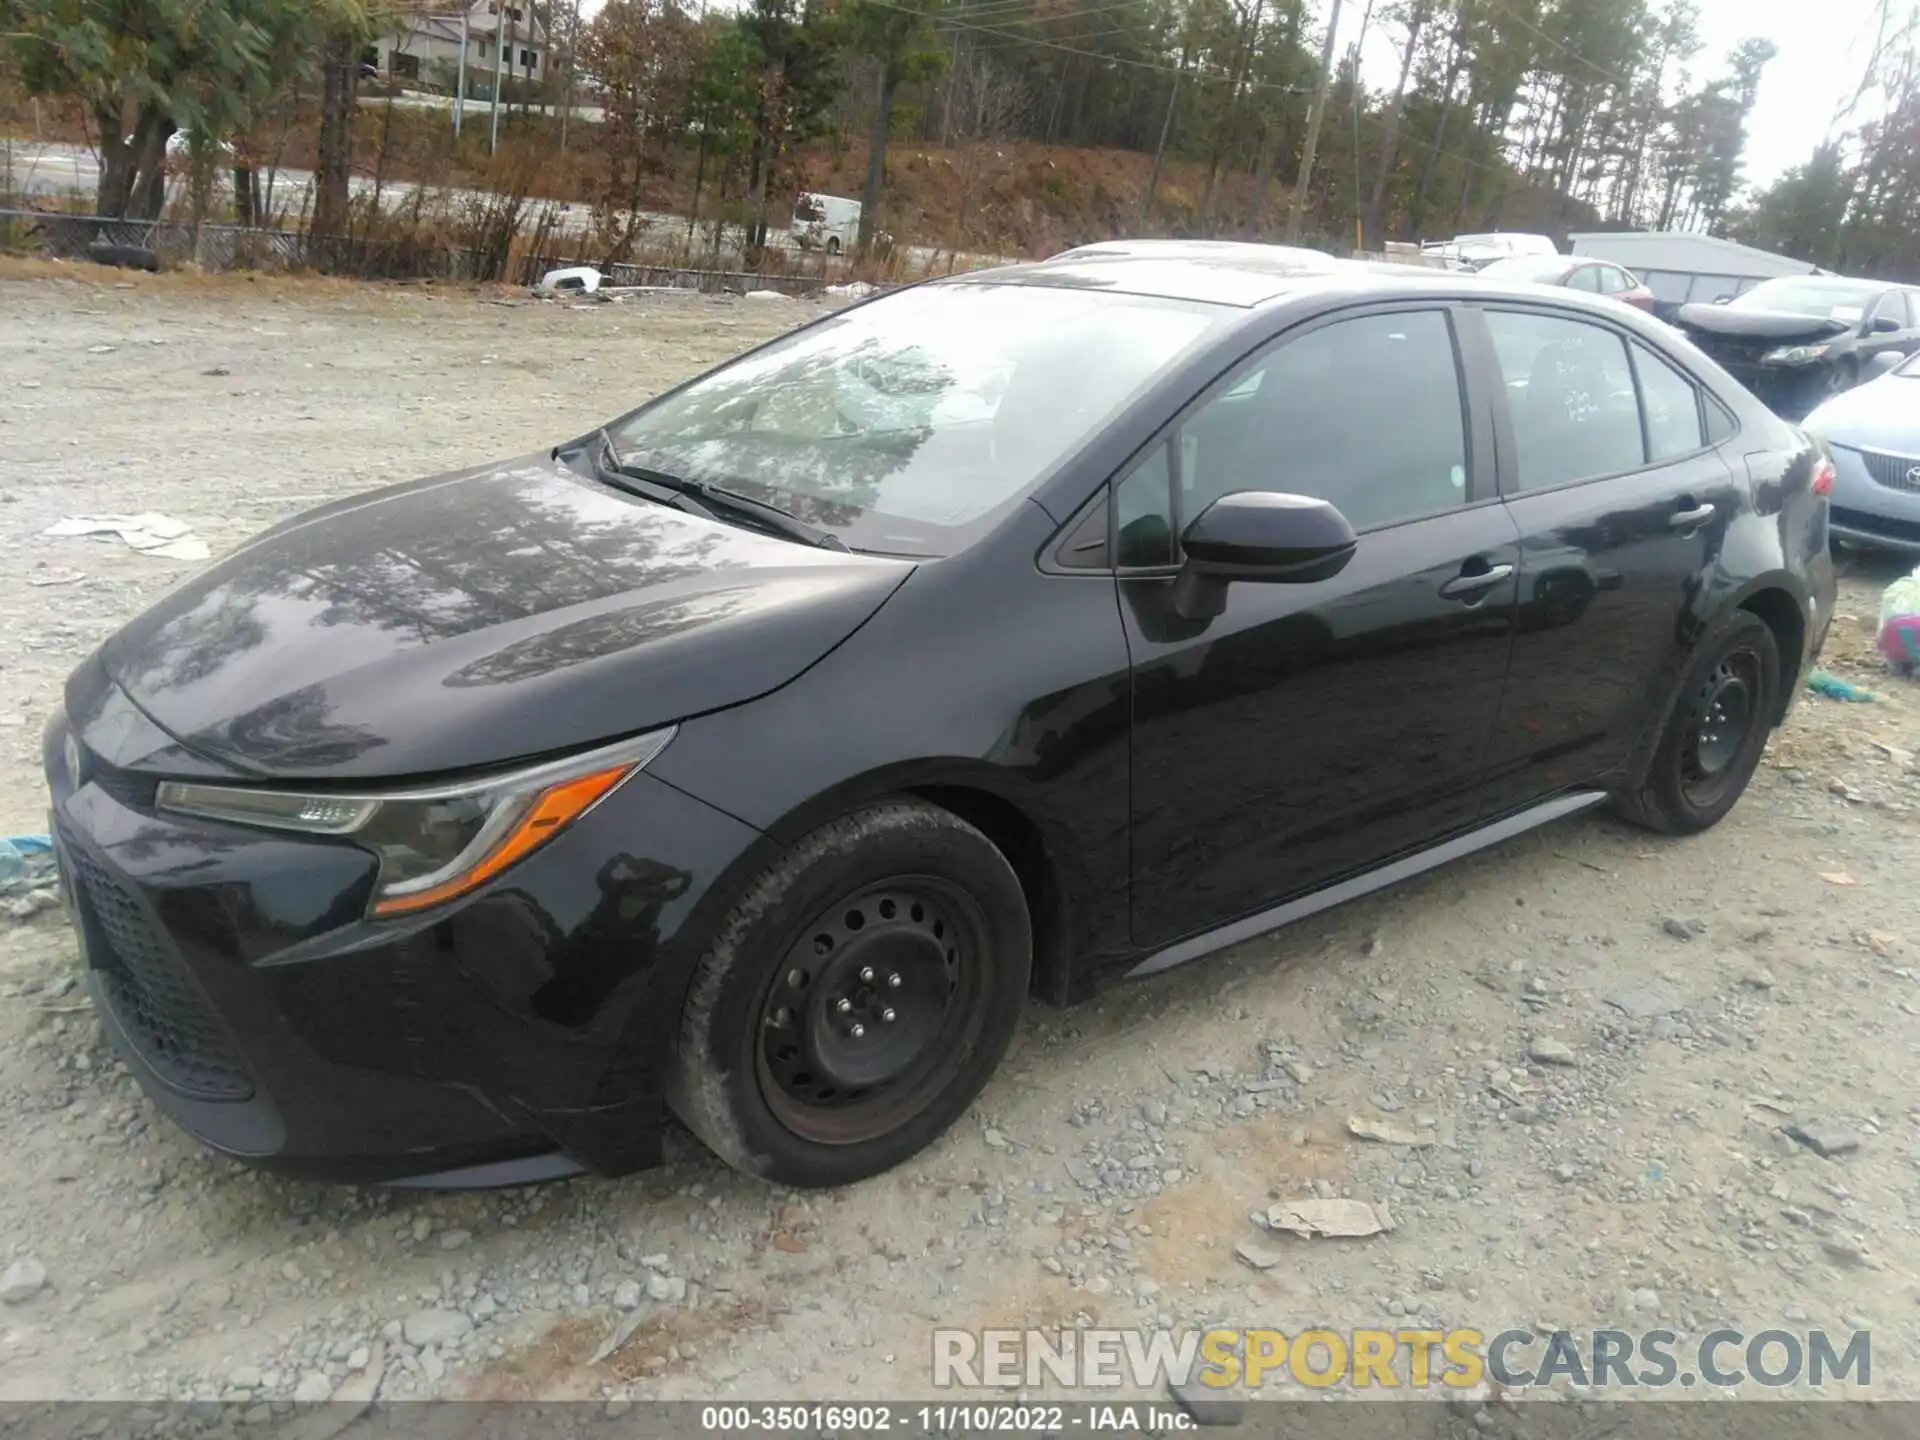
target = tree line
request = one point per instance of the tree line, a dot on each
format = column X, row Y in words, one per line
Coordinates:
column 1538, row 114
column 1854, row 206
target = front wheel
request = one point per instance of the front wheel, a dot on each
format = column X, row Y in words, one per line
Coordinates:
column 857, row 998
column 1718, row 729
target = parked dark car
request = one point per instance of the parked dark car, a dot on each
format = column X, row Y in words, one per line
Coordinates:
column 1595, row 277
column 759, row 755
column 1798, row 340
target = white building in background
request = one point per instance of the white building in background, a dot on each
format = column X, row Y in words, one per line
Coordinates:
column 1683, row 267
column 426, row 49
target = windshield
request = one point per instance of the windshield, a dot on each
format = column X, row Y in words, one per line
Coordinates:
column 1543, row 268
column 1821, row 299
column 902, row 424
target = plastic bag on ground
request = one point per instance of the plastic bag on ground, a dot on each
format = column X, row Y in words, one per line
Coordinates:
column 1900, row 623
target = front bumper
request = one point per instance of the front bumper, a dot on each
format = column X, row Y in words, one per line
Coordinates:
column 1790, row 391
column 512, row 1036
column 1868, row 510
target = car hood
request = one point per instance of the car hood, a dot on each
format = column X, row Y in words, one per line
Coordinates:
column 1883, row 414
column 477, row 618
column 1780, row 325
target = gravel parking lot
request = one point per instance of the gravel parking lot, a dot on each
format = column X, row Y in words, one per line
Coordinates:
column 1599, row 1040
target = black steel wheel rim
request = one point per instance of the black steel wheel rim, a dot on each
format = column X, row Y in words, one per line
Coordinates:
column 873, row 1010
column 1725, row 715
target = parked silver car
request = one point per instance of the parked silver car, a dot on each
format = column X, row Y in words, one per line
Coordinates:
column 1872, row 433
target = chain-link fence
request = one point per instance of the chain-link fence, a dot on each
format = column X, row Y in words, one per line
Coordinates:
column 237, row 247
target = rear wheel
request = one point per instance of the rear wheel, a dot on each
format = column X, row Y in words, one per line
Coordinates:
column 856, row 1000
column 1715, row 736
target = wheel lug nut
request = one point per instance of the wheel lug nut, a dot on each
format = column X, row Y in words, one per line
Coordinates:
column 866, row 973
column 893, row 981
column 887, row 1015
column 845, row 1007
column 857, row 1031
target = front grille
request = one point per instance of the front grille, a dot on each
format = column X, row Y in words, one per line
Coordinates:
column 1896, row 472
column 1735, row 354
column 157, row 1002
column 1903, row 530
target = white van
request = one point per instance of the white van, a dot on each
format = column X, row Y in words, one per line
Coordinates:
column 825, row 222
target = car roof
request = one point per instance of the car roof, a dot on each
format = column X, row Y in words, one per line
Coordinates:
column 1836, row 282
column 1240, row 274
column 1234, row 273
column 1542, row 261
column 1252, row 252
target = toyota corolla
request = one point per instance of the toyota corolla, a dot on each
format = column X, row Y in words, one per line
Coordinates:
column 757, row 756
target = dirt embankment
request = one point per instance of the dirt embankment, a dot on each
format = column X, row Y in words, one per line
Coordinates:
column 997, row 197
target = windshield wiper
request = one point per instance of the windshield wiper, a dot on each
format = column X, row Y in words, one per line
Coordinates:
column 706, row 499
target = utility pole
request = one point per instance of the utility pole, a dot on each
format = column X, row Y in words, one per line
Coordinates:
column 1160, row 150
column 1314, row 116
column 460, row 80
column 499, row 49
column 1359, row 231
column 573, row 46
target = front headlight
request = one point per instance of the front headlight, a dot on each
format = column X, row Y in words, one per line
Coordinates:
column 1794, row 355
column 435, row 843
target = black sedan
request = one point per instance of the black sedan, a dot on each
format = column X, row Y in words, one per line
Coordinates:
column 758, row 756
column 1800, row 340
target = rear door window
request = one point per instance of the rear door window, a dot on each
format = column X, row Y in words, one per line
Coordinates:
column 1671, row 404
column 1571, row 398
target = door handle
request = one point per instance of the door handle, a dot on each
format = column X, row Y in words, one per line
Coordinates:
column 1466, row 587
column 1687, row 519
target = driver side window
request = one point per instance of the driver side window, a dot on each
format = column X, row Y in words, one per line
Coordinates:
column 1366, row 414
column 1892, row 306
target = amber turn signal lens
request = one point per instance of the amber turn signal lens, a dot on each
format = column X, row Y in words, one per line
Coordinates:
column 550, row 813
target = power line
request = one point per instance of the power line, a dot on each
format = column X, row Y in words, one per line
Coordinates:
column 1010, row 38
column 1561, row 45
column 1105, row 59
column 994, row 9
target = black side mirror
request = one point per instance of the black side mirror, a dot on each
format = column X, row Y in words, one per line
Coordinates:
column 1259, row 535
column 1885, row 325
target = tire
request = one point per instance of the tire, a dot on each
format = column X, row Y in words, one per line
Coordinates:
column 125, row 257
column 787, row 1065
column 1706, row 755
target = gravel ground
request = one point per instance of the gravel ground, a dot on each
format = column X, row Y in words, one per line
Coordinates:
column 1605, row 1036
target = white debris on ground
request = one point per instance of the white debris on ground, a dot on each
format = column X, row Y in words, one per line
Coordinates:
column 570, row 280
column 149, row 532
